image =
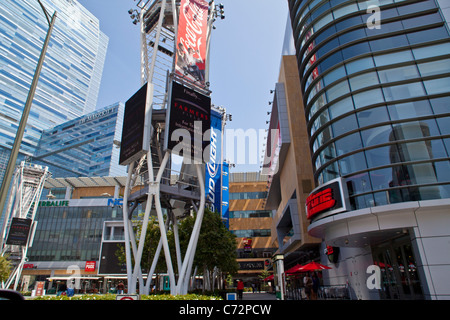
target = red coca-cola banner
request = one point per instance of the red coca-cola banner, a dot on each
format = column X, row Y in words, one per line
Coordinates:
column 191, row 40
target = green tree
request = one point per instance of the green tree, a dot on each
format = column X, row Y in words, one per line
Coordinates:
column 5, row 268
column 216, row 247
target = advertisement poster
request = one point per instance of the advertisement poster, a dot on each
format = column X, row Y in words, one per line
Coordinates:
column 18, row 232
column 191, row 40
column 188, row 119
column 213, row 167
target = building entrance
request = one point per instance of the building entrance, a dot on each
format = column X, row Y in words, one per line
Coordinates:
column 399, row 274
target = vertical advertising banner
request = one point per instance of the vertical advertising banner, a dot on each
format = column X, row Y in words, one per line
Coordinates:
column 191, row 40
column 213, row 167
column 225, row 194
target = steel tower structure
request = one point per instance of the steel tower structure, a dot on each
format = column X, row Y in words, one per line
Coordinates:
column 19, row 225
column 158, row 21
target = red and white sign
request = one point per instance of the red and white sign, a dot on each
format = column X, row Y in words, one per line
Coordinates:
column 330, row 198
column 89, row 266
column 191, row 40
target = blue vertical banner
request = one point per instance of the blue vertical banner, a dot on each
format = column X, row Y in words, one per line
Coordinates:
column 213, row 166
column 225, row 197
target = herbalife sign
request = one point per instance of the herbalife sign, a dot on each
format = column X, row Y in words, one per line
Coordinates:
column 54, row 203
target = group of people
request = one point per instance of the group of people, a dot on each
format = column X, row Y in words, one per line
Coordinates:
column 311, row 283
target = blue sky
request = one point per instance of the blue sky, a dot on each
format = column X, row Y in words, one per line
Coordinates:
column 245, row 58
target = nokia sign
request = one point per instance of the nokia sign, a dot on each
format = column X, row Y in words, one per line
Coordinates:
column 329, row 198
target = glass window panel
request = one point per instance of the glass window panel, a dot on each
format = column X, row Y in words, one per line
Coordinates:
column 324, row 7
column 327, row 154
column 325, row 33
column 337, row 90
column 344, row 125
column 409, row 110
column 377, row 135
column 340, row 12
column 334, row 75
column 330, row 172
column 359, row 65
column 403, row 91
column 393, row 58
column 415, row 129
column 353, row 163
column 434, row 67
column 444, row 125
column 441, row 105
column 389, row 43
column 382, row 178
column 442, row 170
column 323, row 21
column 422, row 20
column 327, row 47
column 352, row 36
column 385, row 27
column 364, row 80
column 358, row 183
column 427, row 35
column 340, row 107
column 436, row 86
column 368, row 97
column 432, row 51
column 372, row 116
column 415, row 151
column 348, row 144
column 331, row 61
column 355, row 50
column 382, row 156
column 398, row 74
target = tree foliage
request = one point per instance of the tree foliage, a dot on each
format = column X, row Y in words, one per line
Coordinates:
column 216, row 247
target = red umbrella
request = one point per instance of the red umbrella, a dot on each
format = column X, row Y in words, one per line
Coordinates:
column 269, row 278
column 312, row 266
column 294, row 269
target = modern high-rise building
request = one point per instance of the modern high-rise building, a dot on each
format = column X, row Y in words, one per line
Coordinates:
column 375, row 84
column 70, row 79
column 87, row 146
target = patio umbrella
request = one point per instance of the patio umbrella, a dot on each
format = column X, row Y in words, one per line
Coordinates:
column 312, row 266
column 294, row 269
column 269, row 278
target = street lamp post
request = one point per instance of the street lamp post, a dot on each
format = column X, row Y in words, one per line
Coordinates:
column 26, row 111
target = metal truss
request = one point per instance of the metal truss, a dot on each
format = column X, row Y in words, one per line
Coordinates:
column 158, row 27
column 23, row 202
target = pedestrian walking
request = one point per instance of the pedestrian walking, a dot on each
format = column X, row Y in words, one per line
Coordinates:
column 120, row 287
column 315, row 286
column 240, row 289
column 307, row 282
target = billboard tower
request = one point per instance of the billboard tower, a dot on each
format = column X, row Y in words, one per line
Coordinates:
column 174, row 101
column 17, row 232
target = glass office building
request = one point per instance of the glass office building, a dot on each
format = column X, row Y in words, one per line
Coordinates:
column 70, row 79
column 375, row 80
column 84, row 147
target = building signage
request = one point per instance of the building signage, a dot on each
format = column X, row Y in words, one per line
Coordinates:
column 18, row 232
column 332, row 253
column 213, row 166
column 134, row 128
column 115, row 202
column 328, row 198
column 188, row 120
column 54, row 203
column 251, row 265
column 191, row 40
column 89, row 266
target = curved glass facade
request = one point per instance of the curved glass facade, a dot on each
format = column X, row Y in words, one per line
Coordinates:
column 377, row 98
